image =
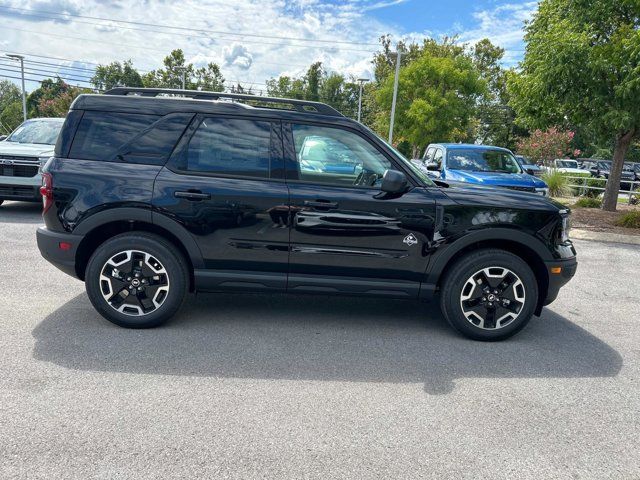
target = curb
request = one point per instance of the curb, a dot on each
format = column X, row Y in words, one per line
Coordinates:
column 605, row 237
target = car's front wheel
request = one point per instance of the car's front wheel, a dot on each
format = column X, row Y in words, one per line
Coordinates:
column 489, row 295
column 137, row 280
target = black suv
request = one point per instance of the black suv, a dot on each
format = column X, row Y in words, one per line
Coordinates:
column 155, row 193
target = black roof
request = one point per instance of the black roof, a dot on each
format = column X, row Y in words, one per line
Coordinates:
column 165, row 101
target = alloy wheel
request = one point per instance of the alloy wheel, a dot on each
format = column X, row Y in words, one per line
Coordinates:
column 134, row 282
column 492, row 298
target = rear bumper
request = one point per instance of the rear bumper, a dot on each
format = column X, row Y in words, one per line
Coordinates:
column 49, row 244
column 567, row 268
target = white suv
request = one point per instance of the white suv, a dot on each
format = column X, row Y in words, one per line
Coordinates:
column 22, row 155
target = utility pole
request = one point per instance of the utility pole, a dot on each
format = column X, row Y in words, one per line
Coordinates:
column 362, row 81
column 24, row 92
column 395, row 93
column 184, row 78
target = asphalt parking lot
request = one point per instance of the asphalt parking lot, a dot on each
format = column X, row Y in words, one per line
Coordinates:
column 314, row 387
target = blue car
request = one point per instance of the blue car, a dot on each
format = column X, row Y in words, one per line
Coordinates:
column 479, row 165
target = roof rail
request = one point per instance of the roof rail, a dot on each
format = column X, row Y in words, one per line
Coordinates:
column 302, row 106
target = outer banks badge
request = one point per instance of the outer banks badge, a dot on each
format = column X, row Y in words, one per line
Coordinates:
column 410, row 240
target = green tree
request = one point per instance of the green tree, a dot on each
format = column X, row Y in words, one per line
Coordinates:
column 176, row 68
column 10, row 106
column 10, row 117
column 9, row 93
column 208, row 78
column 52, row 98
column 312, row 81
column 496, row 124
column 318, row 85
column 116, row 74
column 285, row 87
column 582, row 67
column 437, row 95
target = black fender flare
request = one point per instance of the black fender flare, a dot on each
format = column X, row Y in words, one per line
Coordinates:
column 446, row 252
column 144, row 215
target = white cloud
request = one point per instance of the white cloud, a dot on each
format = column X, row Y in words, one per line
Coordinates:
column 504, row 26
column 343, row 35
column 237, row 55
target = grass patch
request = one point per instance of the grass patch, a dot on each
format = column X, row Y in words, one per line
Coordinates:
column 589, row 202
column 557, row 183
column 629, row 220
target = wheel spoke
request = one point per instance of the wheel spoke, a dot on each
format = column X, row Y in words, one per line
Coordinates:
column 492, row 298
column 134, row 282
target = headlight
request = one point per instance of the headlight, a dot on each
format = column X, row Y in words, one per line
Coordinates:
column 542, row 191
column 43, row 161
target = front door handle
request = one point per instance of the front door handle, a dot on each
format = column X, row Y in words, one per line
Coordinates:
column 194, row 195
column 321, row 204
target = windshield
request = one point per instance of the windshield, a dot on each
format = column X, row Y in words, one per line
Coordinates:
column 415, row 170
column 567, row 164
column 43, row 132
column 603, row 165
column 481, row 160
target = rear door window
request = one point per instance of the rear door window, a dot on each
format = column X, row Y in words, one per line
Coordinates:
column 128, row 137
column 232, row 146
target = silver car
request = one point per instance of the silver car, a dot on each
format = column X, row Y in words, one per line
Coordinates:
column 22, row 156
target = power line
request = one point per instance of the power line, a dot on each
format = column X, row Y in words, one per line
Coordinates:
column 63, row 77
column 216, row 32
column 48, row 71
column 26, row 54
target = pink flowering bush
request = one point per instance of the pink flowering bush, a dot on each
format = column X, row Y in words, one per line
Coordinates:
column 546, row 146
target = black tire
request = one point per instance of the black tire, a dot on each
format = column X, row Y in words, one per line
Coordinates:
column 174, row 274
column 468, row 273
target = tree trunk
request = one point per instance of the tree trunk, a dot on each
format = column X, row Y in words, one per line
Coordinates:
column 623, row 141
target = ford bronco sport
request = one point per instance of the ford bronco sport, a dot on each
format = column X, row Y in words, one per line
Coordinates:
column 155, row 193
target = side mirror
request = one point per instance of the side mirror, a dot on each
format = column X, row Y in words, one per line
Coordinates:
column 394, row 181
column 2, row 137
column 433, row 167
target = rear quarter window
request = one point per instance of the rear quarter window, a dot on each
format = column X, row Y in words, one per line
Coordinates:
column 128, row 137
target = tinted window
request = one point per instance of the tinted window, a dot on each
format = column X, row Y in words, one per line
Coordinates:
column 339, row 157
column 231, row 146
column 437, row 158
column 155, row 144
column 100, row 134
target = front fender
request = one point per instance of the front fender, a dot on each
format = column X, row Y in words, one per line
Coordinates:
column 450, row 248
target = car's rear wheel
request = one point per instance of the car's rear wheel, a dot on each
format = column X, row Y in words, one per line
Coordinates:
column 136, row 280
column 489, row 295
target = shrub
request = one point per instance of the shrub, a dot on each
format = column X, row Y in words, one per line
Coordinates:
column 629, row 220
column 557, row 183
column 589, row 202
column 579, row 183
column 545, row 146
column 594, row 182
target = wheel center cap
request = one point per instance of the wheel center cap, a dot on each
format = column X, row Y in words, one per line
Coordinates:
column 135, row 282
column 491, row 297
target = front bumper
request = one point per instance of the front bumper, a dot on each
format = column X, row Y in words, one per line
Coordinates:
column 559, row 272
column 59, row 249
column 15, row 192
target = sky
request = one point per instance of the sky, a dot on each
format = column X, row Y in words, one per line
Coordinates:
column 251, row 40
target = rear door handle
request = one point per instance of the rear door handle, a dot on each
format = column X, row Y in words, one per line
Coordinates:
column 320, row 204
column 192, row 195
